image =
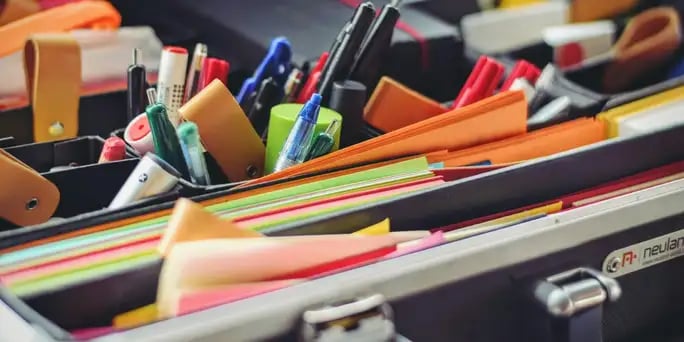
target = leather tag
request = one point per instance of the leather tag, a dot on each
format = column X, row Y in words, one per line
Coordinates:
column 27, row 198
column 52, row 64
column 226, row 132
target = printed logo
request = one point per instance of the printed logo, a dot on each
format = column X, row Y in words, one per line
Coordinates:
column 644, row 254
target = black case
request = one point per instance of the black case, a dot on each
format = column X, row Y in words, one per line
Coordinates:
column 473, row 197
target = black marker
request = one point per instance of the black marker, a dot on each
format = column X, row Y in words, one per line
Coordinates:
column 367, row 65
column 136, row 87
column 341, row 62
column 348, row 98
column 267, row 97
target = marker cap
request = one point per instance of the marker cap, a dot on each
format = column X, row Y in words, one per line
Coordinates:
column 138, row 135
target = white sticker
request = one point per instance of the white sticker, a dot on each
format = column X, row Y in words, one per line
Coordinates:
column 644, row 254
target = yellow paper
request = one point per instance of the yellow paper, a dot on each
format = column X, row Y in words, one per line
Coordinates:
column 490, row 225
column 143, row 315
column 380, row 228
column 613, row 116
column 518, row 3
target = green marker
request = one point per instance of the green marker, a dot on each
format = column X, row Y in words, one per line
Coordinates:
column 324, row 141
column 166, row 144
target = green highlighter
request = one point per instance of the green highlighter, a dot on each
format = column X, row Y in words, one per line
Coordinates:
column 166, row 143
column 323, row 143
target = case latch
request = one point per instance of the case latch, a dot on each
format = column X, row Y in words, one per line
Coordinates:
column 574, row 300
column 362, row 319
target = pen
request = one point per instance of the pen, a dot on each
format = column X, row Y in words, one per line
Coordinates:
column 196, row 64
column 349, row 98
column 171, row 80
column 323, row 143
column 166, row 144
column 298, row 142
column 554, row 112
column 522, row 69
column 136, row 86
column 481, row 83
column 366, row 67
column 114, row 149
column 188, row 135
column 292, row 85
column 343, row 58
column 212, row 69
column 152, row 176
column 311, row 83
column 524, row 85
column 267, row 97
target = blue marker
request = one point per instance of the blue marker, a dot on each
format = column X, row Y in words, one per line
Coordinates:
column 297, row 145
column 276, row 64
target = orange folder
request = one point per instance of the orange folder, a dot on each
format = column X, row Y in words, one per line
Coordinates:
column 498, row 117
column 393, row 106
column 540, row 143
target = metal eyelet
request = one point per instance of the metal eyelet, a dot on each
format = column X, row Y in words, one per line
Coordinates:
column 56, row 129
column 32, row 204
column 252, row 171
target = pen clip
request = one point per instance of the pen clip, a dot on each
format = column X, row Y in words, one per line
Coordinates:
column 276, row 64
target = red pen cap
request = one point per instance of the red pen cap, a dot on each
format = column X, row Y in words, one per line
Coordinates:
column 522, row 69
column 481, row 83
column 114, row 149
column 312, row 82
column 214, row 68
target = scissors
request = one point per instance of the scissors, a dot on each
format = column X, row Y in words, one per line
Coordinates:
column 276, row 64
column 650, row 39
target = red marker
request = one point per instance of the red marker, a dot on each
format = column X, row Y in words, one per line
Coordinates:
column 481, row 83
column 114, row 149
column 312, row 82
column 522, row 69
column 212, row 69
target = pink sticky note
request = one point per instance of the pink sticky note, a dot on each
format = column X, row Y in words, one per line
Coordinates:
column 434, row 239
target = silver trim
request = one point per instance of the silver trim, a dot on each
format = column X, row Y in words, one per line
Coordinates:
column 245, row 320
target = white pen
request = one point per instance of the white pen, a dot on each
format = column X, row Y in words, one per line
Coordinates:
column 171, row 80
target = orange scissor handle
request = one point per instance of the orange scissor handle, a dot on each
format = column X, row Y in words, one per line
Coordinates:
column 84, row 14
column 650, row 39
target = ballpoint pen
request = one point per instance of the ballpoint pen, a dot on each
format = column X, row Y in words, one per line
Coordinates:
column 341, row 61
column 171, row 80
column 152, row 176
column 311, row 83
column 136, row 86
column 292, row 85
column 366, row 68
column 323, row 143
column 267, row 97
column 114, row 149
column 188, row 135
column 276, row 64
column 196, row 64
column 298, row 142
column 166, row 144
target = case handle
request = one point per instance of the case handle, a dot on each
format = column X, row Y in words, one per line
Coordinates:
column 573, row 301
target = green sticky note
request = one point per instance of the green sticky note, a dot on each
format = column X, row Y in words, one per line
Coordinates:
column 282, row 119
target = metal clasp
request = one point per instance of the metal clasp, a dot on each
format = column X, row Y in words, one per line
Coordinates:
column 362, row 319
column 568, row 293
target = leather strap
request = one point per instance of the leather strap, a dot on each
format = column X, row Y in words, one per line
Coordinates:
column 52, row 64
column 17, row 9
column 83, row 14
column 27, row 198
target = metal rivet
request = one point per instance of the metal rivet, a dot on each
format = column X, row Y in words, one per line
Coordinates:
column 32, row 204
column 56, row 129
column 252, row 171
column 613, row 265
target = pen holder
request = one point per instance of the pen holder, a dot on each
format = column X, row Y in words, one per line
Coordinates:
column 282, row 120
column 76, row 152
